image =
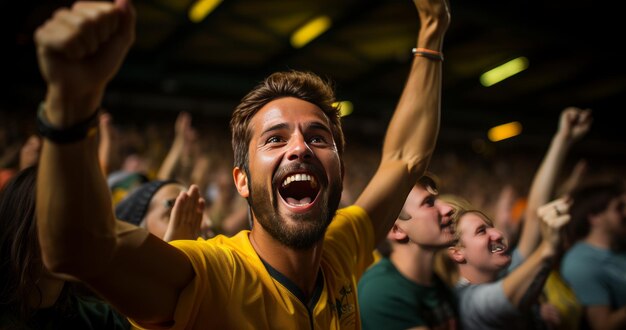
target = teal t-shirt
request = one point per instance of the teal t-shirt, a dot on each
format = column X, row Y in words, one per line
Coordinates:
column 597, row 276
column 388, row 300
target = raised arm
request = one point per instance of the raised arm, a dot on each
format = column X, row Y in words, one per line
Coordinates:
column 107, row 144
column 573, row 125
column 412, row 133
column 29, row 153
column 524, row 284
column 79, row 51
column 182, row 128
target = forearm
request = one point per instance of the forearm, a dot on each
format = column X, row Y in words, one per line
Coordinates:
column 104, row 157
column 74, row 213
column 105, row 144
column 602, row 317
column 543, row 183
column 409, row 144
column 166, row 170
column 413, row 130
column 541, row 191
column 524, row 284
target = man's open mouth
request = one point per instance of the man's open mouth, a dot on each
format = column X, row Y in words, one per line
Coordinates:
column 299, row 189
column 496, row 247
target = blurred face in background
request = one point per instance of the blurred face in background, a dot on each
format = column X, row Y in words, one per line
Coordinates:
column 157, row 216
column 424, row 220
column 481, row 247
column 613, row 222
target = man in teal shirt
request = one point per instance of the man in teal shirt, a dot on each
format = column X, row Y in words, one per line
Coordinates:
column 402, row 290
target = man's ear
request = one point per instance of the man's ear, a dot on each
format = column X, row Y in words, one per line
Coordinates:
column 241, row 182
column 396, row 234
column 456, row 254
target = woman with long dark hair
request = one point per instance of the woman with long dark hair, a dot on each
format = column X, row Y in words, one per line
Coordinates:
column 30, row 296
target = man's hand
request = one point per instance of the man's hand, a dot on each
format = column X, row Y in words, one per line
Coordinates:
column 550, row 315
column 186, row 217
column 554, row 216
column 434, row 16
column 79, row 50
column 575, row 123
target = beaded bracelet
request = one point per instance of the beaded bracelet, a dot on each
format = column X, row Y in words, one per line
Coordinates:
column 76, row 132
column 428, row 53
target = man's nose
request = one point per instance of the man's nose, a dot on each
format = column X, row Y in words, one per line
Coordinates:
column 495, row 234
column 445, row 209
column 299, row 148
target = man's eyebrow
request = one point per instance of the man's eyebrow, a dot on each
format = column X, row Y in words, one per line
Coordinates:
column 275, row 127
column 320, row 126
column 483, row 226
column 313, row 125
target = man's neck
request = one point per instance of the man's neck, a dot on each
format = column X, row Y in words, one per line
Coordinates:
column 598, row 239
column 299, row 266
column 414, row 262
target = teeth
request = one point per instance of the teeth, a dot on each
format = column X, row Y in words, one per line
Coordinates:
column 300, row 177
column 497, row 247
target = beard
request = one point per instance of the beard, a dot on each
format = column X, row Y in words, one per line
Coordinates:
column 307, row 229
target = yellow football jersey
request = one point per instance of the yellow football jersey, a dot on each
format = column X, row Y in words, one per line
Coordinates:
column 234, row 289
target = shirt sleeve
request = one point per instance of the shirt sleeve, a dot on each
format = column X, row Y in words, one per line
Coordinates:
column 485, row 304
column 207, row 288
column 350, row 237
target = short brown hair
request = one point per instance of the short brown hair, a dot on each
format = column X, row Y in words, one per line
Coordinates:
column 306, row 86
column 590, row 198
column 430, row 182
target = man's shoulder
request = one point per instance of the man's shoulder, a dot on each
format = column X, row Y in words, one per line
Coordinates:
column 582, row 254
column 384, row 279
column 238, row 244
column 380, row 270
column 380, row 281
column 351, row 218
column 350, row 212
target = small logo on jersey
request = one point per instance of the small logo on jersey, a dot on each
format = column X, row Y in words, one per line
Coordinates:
column 345, row 304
